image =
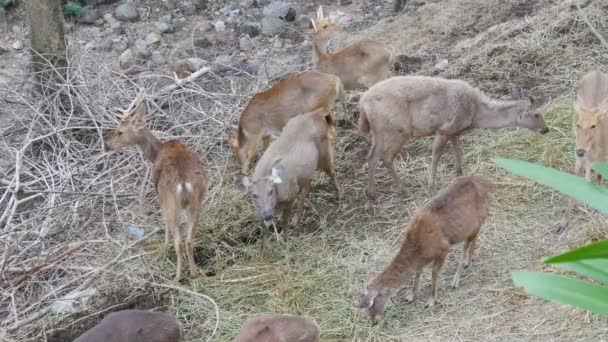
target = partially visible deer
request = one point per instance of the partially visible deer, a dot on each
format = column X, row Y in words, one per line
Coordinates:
column 452, row 216
column 286, row 169
column 178, row 177
column 591, row 131
column 359, row 65
column 268, row 111
column 405, row 107
column 134, row 325
column 279, row 328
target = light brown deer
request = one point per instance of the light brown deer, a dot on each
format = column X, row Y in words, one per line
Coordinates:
column 591, row 131
column 405, row 107
column 268, row 111
column 286, row 169
column 452, row 216
column 359, row 65
column 134, row 325
column 178, row 177
column 279, row 328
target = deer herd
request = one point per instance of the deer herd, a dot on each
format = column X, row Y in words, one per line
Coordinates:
column 392, row 111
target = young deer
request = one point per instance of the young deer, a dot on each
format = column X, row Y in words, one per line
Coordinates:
column 405, row 107
column 178, row 176
column 452, row 216
column 359, row 65
column 268, row 111
column 591, row 130
column 134, row 325
column 286, row 169
column 279, row 328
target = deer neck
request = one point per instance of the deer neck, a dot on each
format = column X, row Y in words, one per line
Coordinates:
column 499, row 114
column 399, row 270
column 319, row 49
column 149, row 144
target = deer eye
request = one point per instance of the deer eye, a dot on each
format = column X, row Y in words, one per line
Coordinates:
column 578, row 126
column 592, row 126
column 254, row 195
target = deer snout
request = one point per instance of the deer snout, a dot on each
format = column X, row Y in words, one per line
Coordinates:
column 580, row 152
column 544, row 130
column 267, row 216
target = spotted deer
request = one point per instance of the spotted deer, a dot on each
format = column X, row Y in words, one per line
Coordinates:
column 134, row 325
column 279, row 328
column 405, row 107
column 178, row 176
column 590, row 130
column 286, row 169
column 359, row 65
column 452, row 216
column 267, row 112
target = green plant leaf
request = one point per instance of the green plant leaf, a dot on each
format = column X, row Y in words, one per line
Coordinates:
column 591, row 251
column 586, row 192
column 602, row 169
column 596, row 269
column 564, row 290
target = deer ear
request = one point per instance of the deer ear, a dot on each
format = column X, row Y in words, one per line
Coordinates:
column 578, row 103
column 314, row 25
column 138, row 117
column 320, row 13
column 243, row 184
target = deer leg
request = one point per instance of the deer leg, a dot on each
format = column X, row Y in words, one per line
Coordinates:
column 372, row 160
column 193, row 223
column 561, row 227
column 472, row 245
column 300, row 208
column 172, row 217
column 437, row 264
column 285, row 224
column 438, row 145
column 465, row 249
column 266, row 140
column 389, row 156
column 264, row 233
column 457, row 154
column 251, row 146
column 326, row 164
column 411, row 295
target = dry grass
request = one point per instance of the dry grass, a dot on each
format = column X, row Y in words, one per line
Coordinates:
column 338, row 245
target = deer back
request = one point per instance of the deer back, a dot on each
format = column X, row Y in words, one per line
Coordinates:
column 279, row 328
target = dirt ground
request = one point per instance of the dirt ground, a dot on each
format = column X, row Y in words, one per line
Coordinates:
column 542, row 45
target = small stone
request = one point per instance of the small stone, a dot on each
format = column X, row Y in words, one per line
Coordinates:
column 247, row 3
column 220, row 26
column 153, row 38
column 291, row 14
column 99, row 22
column 165, row 19
column 245, row 43
column 251, row 28
column 16, row 29
column 441, row 64
column 278, row 9
column 272, row 25
column 203, row 26
column 127, row 59
column 170, row 5
column 277, row 44
column 126, row 12
column 17, row 45
column 89, row 16
column 235, row 12
column 188, row 8
column 202, row 43
column 109, row 18
column 165, row 28
column 222, row 63
column 140, row 44
column 158, row 59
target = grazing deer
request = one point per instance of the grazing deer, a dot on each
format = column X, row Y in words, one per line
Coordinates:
column 286, row 169
column 279, row 328
column 359, row 65
column 452, row 216
column 134, row 325
column 405, row 107
column 178, row 176
column 591, row 130
column 268, row 111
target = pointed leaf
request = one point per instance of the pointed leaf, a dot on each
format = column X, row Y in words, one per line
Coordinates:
column 591, row 251
column 568, row 184
column 602, row 169
column 564, row 290
column 596, row 269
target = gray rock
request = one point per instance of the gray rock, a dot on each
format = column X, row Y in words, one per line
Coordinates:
column 247, row 4
column 245, row 43
column 196, row 63
column 202, row 43
column 126, row 12
column 200, row 4
column 158, row 59
column 119, row 45
column 153, row 38
column 89, row 16
column 220, row 26
column 188, row 8
column 99, row 22
column 17, row 44
column 170, row 5
column 165, row 19
column 251, row 28
column 109, row 18
column 279, row 9
column 236, row 12
column 222, row 63
column 177, row 54
column 203, row 26
column 140, row 44
column 140, row 49
column 251, row 66
column 272, row 25
column 165, row 28
column 127, row 59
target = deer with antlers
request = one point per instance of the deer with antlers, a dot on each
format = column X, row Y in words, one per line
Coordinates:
column 178, row 177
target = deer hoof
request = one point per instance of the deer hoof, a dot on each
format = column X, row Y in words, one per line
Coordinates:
column 560, row 228
column 430, row 303
column 409, row 297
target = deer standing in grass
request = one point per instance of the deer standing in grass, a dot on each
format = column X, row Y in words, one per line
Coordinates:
column 405, row 107
column 268, row 111
column 452, row 216
column 178, row 177
column 279, row 328
column 134, row 325
column 359, row 65
column 286, row 169
column 590, row 129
